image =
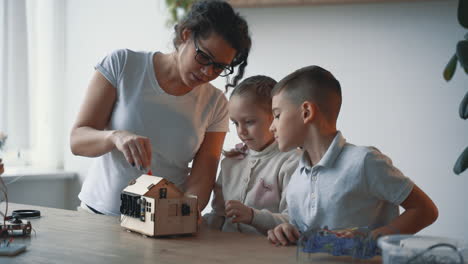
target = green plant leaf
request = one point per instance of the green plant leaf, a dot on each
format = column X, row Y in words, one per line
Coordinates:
column 463, row 109
column 462, row 53
column 177, row 10
column 463, row 13
column 450, row 68
column 462, row 162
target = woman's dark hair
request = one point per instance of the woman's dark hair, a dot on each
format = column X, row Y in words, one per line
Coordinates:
column 258, row 88
column 208, row 16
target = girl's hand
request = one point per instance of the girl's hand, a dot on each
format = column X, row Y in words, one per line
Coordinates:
column 136, row 149
column 239, row 212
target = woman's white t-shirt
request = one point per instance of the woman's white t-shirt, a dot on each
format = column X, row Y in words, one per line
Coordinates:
column 176, row 126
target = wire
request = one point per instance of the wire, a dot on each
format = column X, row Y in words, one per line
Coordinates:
column 14, row 180
column 5, row 193
column 436, row 246
column 4, row 190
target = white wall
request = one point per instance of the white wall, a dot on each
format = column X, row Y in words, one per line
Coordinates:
column 388, row 57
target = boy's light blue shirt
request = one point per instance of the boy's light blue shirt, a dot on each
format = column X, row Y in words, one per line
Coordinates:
column 351, row 186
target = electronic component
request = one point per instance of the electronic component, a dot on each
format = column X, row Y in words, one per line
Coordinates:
column 15, row 227
column 130, row 204
column 360, row 245
column 9, row 249
column 23, row 214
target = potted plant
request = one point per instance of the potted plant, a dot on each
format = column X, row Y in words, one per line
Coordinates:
column 461, row 56
column 3, row 138
column 177, row 9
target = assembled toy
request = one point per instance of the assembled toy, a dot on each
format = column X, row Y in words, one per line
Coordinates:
column 153, row 206
column 361, row 245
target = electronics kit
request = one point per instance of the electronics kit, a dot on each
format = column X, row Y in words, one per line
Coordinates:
column 13, row 226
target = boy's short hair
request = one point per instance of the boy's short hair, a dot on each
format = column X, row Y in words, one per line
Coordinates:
column 258, row 87
column 315, row 84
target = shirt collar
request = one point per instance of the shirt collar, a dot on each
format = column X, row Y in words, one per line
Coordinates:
column 328, row 160
column 272, row 148
column 330, row 156
column 304, row 162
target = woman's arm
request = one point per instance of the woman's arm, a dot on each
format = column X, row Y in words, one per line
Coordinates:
column 420, row 212
column 215, row 219
column 89, row 137
column 202, row 177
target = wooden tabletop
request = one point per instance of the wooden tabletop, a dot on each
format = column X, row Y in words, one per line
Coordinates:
column 64, row 236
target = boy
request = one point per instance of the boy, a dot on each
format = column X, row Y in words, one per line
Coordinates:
column 337, row 184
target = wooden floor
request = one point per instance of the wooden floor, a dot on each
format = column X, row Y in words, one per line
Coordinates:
column 63, row 236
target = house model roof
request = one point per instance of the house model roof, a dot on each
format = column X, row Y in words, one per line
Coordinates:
column 143, row 184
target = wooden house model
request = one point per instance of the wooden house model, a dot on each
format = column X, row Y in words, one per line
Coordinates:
column 153, row 206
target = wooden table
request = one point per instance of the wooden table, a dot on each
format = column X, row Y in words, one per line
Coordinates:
column 64, row 236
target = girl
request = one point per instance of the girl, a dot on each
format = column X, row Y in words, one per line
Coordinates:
column 249, row 192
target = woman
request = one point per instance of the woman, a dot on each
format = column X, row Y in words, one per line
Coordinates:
column 153, row 111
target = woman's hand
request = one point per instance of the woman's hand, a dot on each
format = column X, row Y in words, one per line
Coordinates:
column 136, row 149
column 199, row 216
column 239, row 212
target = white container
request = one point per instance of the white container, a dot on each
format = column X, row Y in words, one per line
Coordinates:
column 410, row 249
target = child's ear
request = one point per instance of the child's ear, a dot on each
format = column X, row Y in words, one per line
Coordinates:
column 309, row 110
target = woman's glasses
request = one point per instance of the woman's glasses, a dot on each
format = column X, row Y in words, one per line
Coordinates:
column 204, row 59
